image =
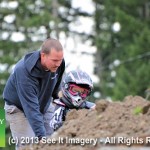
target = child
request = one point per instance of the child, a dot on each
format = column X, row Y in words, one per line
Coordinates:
column 76, row 87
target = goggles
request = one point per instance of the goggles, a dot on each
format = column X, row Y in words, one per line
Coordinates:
column 77, row 90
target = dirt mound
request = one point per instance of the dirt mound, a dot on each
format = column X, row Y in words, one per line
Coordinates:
column 125, row 123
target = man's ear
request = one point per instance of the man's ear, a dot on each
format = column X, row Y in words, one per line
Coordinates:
column 42, row 55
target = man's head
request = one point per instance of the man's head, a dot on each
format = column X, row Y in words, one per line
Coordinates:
column 51, row 54
column 76, row 87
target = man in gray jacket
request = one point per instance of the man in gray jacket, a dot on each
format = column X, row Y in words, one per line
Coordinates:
column 30, row 89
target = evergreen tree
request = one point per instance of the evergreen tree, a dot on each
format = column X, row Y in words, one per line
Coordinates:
column 25, row 24
column 123, row 55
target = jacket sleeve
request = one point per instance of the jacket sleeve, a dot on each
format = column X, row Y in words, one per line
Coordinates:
column 27, row 94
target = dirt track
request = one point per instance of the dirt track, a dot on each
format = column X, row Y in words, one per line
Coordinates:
column 114, row 124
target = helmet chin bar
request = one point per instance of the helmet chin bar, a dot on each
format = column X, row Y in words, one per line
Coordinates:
column 77, row 100
column 73, row 102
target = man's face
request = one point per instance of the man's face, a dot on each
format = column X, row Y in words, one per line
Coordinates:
column 52, row 60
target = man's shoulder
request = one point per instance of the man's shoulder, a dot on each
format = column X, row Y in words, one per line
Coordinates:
column 18, row 67
column 25, row 64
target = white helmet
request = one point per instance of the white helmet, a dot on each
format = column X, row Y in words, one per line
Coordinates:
column 76, row 79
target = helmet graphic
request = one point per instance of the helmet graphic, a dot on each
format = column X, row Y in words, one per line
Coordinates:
column 76, row 86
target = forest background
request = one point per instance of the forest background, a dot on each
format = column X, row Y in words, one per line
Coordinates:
column 120, row 33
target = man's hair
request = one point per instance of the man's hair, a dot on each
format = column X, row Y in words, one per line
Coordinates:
column 49, row 44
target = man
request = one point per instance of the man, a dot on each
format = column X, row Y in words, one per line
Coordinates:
column 76, row 87
column 30, row 89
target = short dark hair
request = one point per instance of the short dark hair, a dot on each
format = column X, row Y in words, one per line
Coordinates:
column 50, row 43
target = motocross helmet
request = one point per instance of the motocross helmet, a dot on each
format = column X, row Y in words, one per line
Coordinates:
column 76, row 87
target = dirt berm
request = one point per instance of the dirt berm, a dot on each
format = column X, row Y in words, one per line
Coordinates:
column 112, row 126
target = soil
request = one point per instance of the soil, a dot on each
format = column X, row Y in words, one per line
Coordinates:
column 111, row 125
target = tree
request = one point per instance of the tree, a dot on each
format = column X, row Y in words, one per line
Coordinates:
column 23, row 27
column 123, row 50
column 25, row 24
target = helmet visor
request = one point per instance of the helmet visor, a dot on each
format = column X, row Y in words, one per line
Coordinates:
column 78, row 90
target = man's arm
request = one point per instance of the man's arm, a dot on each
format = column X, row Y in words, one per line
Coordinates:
column 29, row 101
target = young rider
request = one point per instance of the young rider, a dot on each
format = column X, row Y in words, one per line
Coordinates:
column 76, row 87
